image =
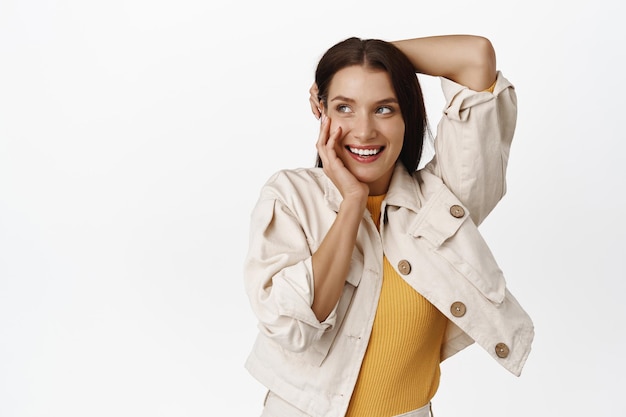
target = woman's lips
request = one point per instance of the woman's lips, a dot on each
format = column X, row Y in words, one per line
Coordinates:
column 365, row 154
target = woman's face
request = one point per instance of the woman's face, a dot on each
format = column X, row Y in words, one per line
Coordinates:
column 363, row 102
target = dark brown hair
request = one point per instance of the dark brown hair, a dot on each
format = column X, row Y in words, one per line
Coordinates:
column 381, row 55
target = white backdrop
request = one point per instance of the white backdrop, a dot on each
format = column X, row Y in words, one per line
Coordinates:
column 135, row 136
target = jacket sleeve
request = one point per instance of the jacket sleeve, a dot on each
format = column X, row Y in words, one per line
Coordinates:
column 278, row 276
column 473, row 142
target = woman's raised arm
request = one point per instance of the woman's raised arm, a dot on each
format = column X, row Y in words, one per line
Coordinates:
column 465, row 59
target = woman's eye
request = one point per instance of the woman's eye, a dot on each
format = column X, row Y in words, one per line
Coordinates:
column 342, row 108
column 384, row 110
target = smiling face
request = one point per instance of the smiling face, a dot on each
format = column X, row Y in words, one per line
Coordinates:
column 363, row 102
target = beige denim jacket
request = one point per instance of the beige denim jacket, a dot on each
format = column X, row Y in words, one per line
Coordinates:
column 428, row 231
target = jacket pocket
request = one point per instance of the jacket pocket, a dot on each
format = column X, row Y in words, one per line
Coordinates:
column 446, row 225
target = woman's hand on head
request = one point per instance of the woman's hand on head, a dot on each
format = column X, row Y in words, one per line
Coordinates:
column 349, row 186
column 314, row 101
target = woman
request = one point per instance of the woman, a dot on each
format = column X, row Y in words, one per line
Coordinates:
column 365, row 273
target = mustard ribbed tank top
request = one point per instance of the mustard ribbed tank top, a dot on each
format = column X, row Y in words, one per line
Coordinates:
column 400, row 371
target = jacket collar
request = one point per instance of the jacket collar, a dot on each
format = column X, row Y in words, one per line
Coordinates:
column 403, row 191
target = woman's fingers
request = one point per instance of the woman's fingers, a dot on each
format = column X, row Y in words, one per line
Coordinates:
column 332, row 142
column 333, row 166
column 314, row 101
column 323, row 137
column 327, row 141
column 315, row 109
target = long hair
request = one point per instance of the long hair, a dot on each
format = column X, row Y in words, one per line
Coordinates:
column 381, row 55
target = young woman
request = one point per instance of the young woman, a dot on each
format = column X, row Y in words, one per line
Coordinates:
column 365, row 273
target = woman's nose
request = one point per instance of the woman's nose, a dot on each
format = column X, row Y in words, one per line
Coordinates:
column 363, row 128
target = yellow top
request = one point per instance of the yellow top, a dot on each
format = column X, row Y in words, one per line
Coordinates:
column 400, row 371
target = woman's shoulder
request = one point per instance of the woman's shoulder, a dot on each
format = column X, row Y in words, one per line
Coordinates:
column 296, row 175
column 295, row 181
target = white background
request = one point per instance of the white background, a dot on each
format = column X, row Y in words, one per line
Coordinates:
column 135, row 136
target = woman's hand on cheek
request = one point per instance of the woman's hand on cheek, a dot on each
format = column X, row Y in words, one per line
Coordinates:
column 349, row 186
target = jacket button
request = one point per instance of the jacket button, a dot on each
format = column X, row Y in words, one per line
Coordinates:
column 502, row 350
column 458, row 309
column 404, row 267
column 457, row 211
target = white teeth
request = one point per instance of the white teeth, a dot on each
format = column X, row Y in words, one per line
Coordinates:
column 364, row 152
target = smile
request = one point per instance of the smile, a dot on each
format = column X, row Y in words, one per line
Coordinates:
column 364, row 152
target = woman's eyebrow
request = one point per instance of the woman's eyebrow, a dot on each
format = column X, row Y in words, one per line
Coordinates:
column 350, row 100
column 389, row 100
column 342, row 98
